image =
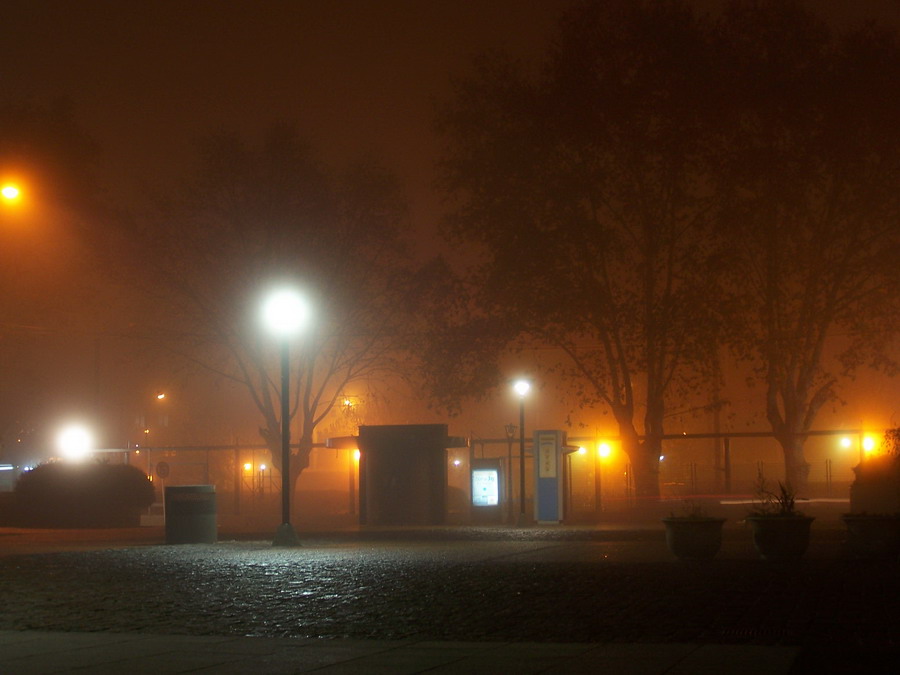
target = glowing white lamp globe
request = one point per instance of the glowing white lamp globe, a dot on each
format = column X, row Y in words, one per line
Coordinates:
column 285, row 312
column 75, row 442
column 522, row 387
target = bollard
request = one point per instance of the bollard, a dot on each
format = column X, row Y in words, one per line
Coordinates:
column 191, row 514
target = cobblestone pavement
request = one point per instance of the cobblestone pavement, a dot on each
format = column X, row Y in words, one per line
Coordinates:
column 499, row 585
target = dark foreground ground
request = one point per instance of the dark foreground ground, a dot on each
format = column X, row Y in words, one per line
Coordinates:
column 562, row 585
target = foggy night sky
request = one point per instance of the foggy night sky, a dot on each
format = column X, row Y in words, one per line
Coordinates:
column 360, row 77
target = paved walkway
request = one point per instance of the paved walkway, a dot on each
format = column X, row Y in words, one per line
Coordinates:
column 446, row 600
column 55, row 652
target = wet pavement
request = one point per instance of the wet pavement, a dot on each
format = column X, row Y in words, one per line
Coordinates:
column 467, row 586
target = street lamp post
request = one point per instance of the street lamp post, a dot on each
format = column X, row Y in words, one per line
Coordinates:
column 522, row 387
column 510, row 435
column 285, row 313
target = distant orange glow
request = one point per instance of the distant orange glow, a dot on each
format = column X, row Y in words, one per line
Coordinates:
column 869, row 444
column 10, row 192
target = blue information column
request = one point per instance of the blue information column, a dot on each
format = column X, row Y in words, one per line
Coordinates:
column 548, row 451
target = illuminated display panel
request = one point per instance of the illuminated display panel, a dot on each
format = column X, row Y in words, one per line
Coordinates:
column 485, row 487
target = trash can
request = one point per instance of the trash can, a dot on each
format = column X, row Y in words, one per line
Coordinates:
column 191, row 514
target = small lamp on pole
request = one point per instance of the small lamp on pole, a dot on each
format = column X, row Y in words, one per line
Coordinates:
column 510, row 430
column 285, row 313
column 522, row 387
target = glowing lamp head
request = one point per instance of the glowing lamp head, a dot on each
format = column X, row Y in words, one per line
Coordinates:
column 285, row 313
column 582, row 451
column 10, row 192
column 522, row 387
column 75, row 442
column 604, row 450
column 846, row 443
column 868, row 443
column 356, row 455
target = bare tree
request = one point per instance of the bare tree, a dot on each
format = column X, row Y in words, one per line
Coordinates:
column 812, row 154
column 586, row 187
column 256, row 217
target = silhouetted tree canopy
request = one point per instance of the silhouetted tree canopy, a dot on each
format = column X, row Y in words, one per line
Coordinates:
column 810, row 168
column 587, row 186
column 665, row 184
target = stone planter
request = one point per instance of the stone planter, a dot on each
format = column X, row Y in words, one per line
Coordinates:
column 780, row 537
column 872, row 536
column 694, row 538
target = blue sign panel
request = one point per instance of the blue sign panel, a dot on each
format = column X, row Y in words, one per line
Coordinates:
column 548, row 448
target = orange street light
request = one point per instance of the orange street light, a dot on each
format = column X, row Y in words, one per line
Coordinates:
column 10, row 192
column 604, row 450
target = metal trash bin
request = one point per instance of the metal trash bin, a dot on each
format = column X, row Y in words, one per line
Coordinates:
column 191, row 514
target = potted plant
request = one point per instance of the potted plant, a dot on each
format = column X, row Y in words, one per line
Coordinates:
column 873, row 524
column 780, row 531
column 693, row 535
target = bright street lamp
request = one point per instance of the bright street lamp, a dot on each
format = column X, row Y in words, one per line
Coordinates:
column 74, row 442
column 10, row 192
column 285, row 313
column 522, row 387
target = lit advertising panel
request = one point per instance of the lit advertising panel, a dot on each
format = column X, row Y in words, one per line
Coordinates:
column 485, row 487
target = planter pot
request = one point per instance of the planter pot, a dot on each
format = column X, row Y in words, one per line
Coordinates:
column 780, row 537
column 694, row 538
column 872, row 536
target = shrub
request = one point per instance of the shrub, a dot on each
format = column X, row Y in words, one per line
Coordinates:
column 91, row 494
column 876, row 489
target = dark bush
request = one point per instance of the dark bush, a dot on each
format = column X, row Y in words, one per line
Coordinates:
column 7, row 509
column 90, row 494
column 876, row 489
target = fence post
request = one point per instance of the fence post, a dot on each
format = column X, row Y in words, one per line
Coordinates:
column 727, row 465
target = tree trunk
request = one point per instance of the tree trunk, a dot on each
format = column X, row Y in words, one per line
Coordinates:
column 299, row 463
column 299, row 460
column 644, row 457
column 796, row 468
column 646, row 470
